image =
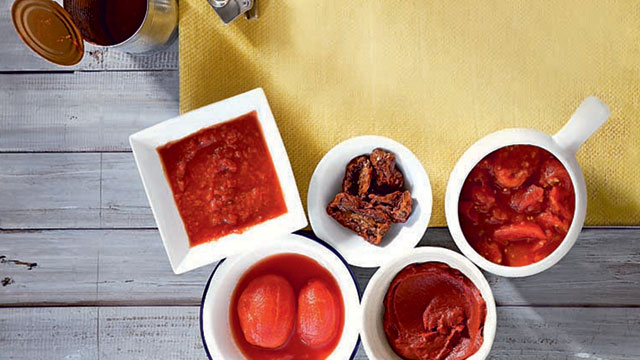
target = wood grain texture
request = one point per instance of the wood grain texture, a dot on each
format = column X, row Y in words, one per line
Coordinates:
column 48, row 333
column 130, row 267
column 124, row 202
column 50, row 190
column 94, row 267
column 150, row 333
column 82, row 111
column 173, row 333
column 16, row 56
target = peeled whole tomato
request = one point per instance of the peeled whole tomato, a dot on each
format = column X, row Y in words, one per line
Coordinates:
column 266, row 309
column 317, row 314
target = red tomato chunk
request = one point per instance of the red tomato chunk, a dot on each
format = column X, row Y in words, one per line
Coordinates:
column 516, row 205
column 223, row 179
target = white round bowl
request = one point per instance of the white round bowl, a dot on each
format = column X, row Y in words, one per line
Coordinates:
column 326, row 182
column 215, row 327
column 374, row 339
column 589, row 116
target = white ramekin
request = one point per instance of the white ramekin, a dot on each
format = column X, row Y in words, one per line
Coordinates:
column 326, row 182
column 215, row 327
column 588, row 118
column 374, row 339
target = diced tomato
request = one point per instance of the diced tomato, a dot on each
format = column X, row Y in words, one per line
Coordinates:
column 549, row 221
column 484, row 198
column 558, row 205
column 518, row 232
column 511, row 178
column 514, row 165
column 467, row 209
column 528, row 200
column 517, row 205
column 552, row 173
column 518, row 254
column 490, row 251
column 480, row 176
column 498, row 216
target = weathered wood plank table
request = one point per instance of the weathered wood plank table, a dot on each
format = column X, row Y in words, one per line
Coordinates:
column 72, row 203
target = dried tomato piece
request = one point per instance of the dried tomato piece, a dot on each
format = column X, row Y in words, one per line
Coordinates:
column 357, row 176
column 356, row 214
column 518, row 232
column 529, row 200
column 396, row 205
column 388, row 177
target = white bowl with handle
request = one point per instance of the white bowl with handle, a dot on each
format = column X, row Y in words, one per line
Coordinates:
column 588, row 118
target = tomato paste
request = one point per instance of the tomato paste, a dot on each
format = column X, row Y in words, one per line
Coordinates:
column 434, row 312
column 223, row 179
column 287, row 306
column 517, row 205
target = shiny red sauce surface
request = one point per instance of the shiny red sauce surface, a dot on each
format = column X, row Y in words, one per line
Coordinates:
column 433, row 312
column 517, row 205
column 223, row 179
column 302, row 273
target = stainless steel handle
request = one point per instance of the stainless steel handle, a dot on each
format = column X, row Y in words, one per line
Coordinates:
column 229, row 10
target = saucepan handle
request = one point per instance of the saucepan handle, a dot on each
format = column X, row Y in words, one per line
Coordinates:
column 587, row 118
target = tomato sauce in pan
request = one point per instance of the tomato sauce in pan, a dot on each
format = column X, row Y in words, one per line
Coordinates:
column 516, row 205
column 223, row 179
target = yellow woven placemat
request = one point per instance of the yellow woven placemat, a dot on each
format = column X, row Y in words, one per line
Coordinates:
column 433, row 75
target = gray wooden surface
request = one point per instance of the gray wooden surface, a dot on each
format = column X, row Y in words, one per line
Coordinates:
column 71, row 201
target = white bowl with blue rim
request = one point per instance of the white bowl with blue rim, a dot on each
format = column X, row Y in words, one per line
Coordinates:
column 215, row 326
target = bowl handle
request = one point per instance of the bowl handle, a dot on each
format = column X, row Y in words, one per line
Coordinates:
column 587, row 118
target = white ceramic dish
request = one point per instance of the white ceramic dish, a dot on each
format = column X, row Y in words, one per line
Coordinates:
column 214, row 311
column 326, row 182
column 588, row 118
column 144, row 144
column 374, row 339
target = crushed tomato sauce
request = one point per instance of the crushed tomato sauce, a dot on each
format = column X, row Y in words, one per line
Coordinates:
column 223, row 179
column 516, row 205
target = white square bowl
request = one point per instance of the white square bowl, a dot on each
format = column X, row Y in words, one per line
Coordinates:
column 144, row 144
